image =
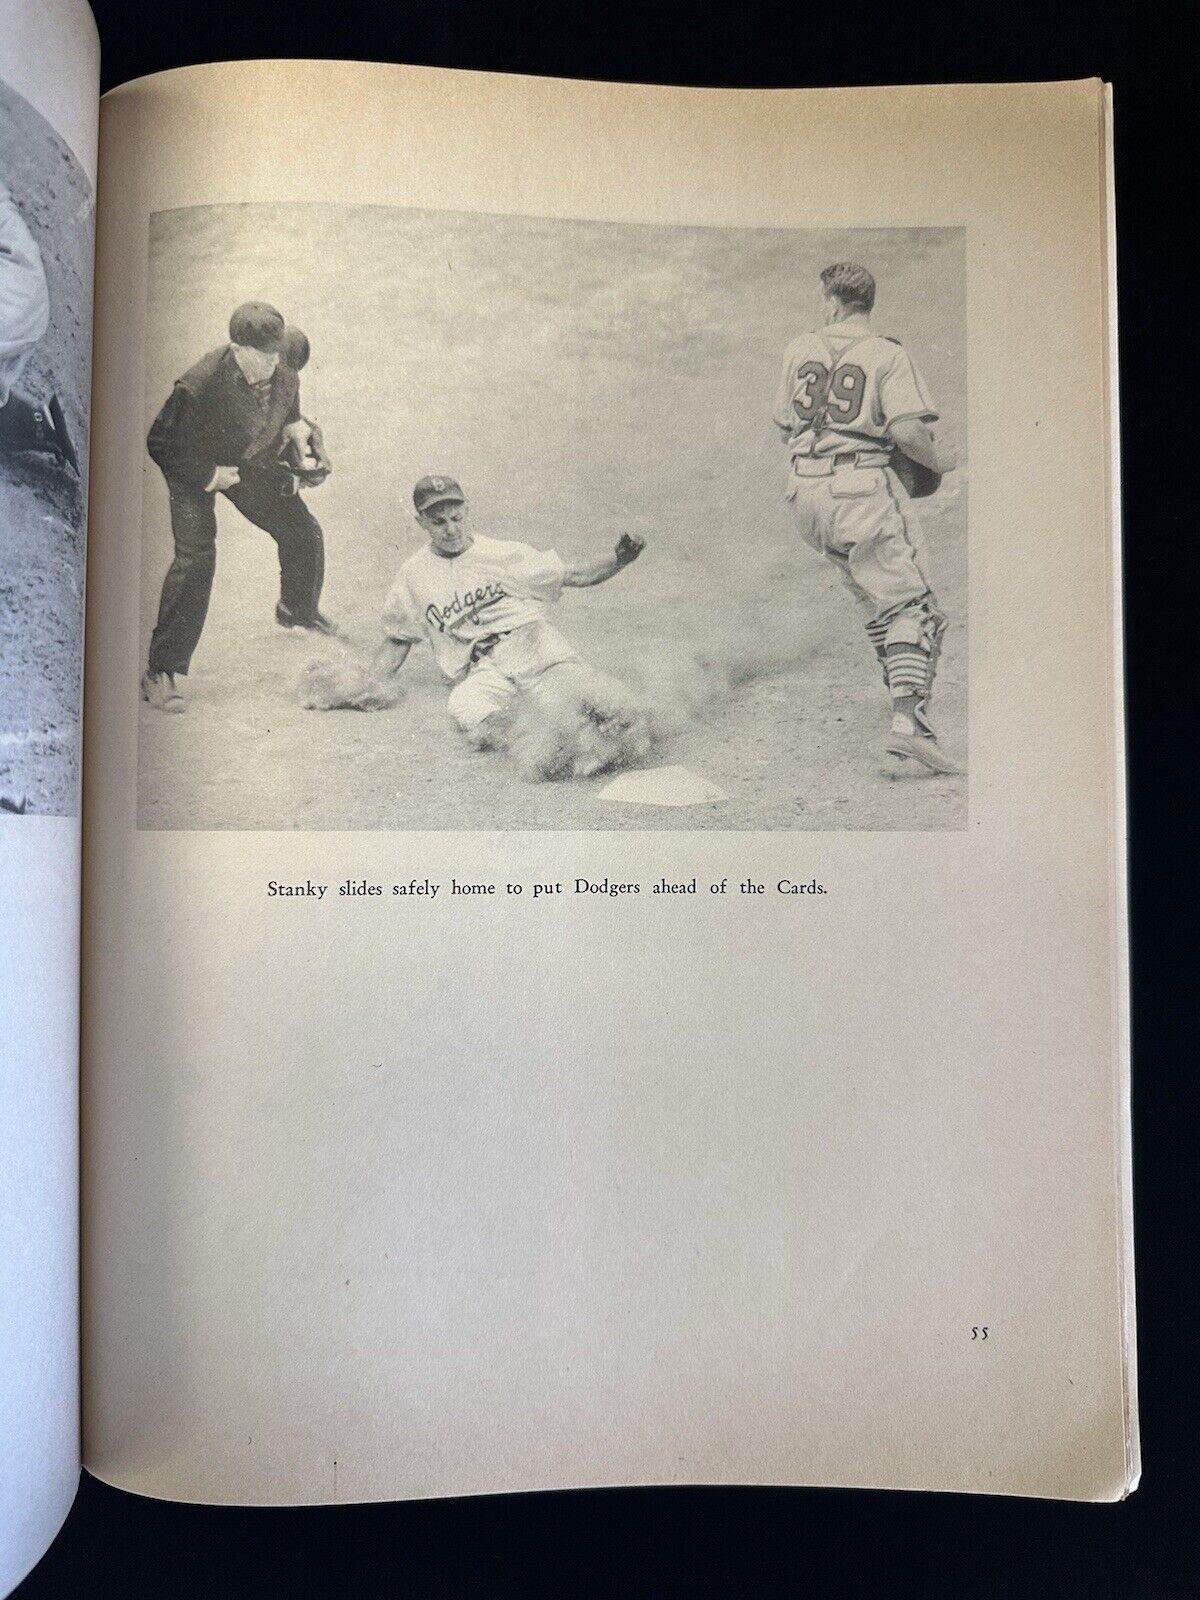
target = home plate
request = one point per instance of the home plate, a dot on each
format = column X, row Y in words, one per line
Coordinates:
column 663, row 786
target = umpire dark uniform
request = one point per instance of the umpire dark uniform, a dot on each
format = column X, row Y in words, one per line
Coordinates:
column 216, row 417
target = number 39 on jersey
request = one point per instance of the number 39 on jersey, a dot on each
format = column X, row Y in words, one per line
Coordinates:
column 855, row 384
column 842, row 398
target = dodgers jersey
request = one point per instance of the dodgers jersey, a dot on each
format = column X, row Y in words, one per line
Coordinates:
column 493, row 587
column 843, row 387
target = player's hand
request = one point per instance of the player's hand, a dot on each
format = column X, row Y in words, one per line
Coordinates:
column 629, row 548
column 223, row 478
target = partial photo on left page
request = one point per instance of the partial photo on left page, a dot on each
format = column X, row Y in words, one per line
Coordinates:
column 47, row 237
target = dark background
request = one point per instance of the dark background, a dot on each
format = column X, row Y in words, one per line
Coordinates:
column 743, row 1542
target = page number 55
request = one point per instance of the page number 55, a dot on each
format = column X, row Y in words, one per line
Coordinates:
column 979, row 1332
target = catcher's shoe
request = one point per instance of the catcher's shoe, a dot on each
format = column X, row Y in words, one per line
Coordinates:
column 922, row 748
column 10, row 802
column 317, row 623
column 27, row 426
column 158, row 690
column 62, row 435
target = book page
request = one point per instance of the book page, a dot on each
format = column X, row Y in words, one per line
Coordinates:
column 49, row 102
column 604, row 911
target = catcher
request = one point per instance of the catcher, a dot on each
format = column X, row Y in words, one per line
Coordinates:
column 480, row 603
column 855, row 416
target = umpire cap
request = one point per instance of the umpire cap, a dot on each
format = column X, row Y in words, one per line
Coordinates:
column 258, row 325
column 436, row 490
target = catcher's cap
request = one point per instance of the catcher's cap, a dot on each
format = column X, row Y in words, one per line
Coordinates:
column 258, row 325
column 436, row 490
column 295, row 348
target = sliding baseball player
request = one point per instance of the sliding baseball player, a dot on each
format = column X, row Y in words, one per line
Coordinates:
column 481, row 605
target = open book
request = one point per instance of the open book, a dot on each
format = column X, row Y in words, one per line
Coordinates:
column 593, row 947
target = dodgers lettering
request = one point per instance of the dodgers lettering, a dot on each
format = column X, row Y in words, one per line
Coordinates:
column 468, row 605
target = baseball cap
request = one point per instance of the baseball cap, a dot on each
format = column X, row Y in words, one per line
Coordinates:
column 258, row 325
column 435, row 490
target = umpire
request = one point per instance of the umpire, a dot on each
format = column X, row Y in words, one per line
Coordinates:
column 220, row 433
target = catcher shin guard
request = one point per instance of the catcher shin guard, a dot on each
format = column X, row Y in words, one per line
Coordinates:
column 913, row 644
column 877, row 634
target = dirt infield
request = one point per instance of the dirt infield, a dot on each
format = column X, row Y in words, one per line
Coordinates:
column 41, row 507
column 580, row 379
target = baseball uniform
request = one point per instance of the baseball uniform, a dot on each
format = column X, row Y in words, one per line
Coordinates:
column 25, row 424
column 483, row 614
column 24, row 297
column 841, row 391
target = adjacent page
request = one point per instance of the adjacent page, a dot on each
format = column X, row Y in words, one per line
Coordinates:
column 49, row 99
column 575, row 1025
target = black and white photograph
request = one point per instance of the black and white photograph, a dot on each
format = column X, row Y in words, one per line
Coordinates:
column 471, row 522
column 46, row 245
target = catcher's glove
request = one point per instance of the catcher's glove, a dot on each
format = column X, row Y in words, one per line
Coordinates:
column 303, row 453
column 919, row 480
column 629, row 548
column 344, row 686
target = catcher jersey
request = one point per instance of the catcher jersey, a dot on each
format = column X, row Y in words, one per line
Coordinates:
column 494, row 586
column 843, row 387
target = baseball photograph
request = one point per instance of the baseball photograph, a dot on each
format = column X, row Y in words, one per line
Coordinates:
column 46, row 208
column 467, row 522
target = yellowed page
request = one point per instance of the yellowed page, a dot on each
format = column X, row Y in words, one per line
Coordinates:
column 49, row 105
column 407, row 1194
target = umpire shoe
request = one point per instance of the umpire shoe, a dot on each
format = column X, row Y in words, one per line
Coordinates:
column 314, row 624
column 925, row 749
column 158, row 690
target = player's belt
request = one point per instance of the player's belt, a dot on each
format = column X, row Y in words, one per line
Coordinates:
column 843, row 461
